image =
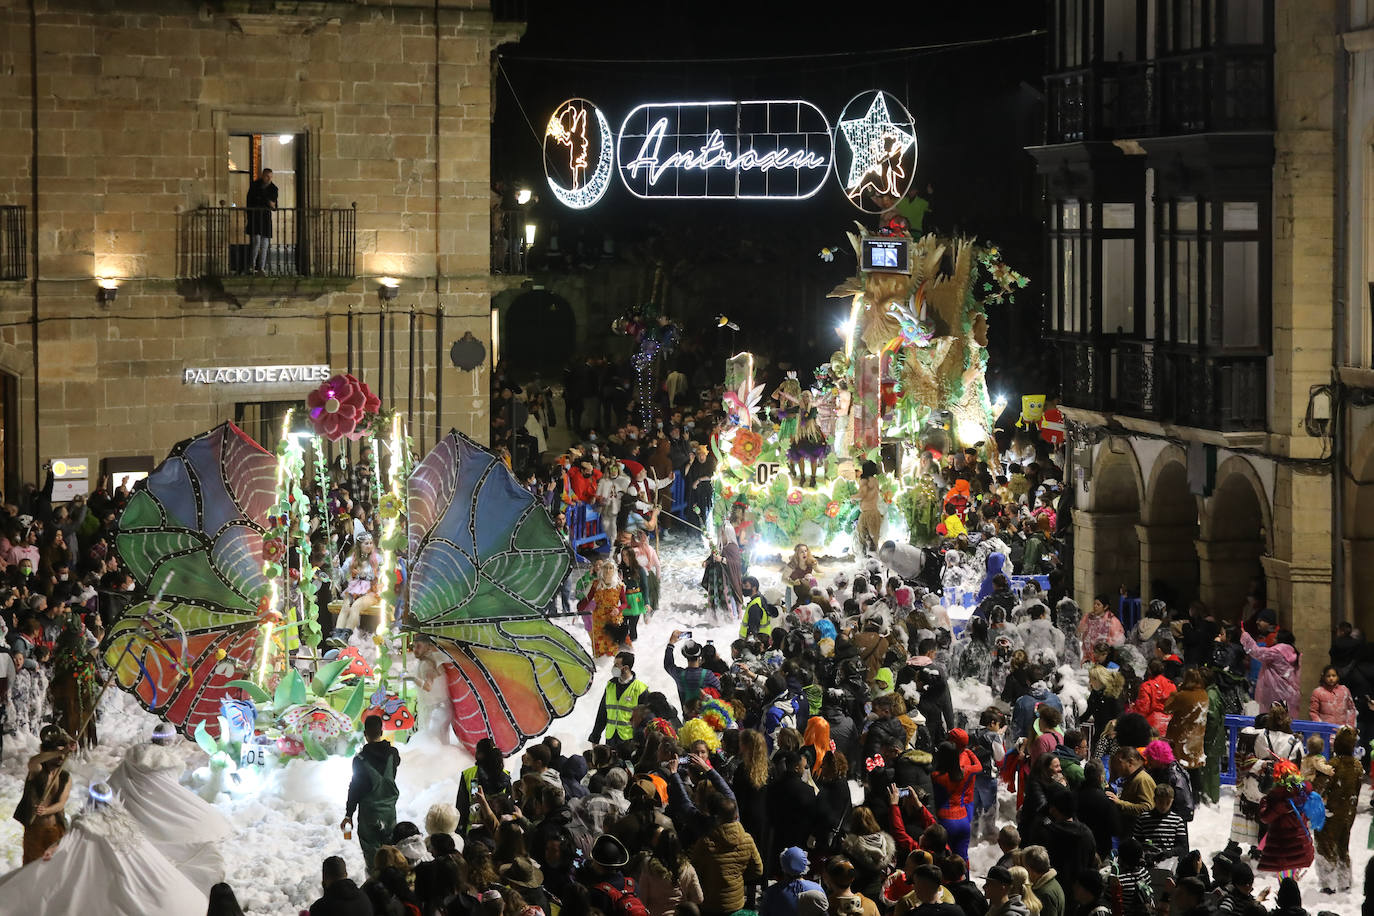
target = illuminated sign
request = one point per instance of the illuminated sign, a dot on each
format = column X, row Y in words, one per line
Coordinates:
column 878, row 156
column 764, row 150
column 70, row 478
column 781, row 149
column 257, row 375
column 578, row 153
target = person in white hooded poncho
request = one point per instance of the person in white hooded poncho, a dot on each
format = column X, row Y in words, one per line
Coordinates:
column 106, row 865
column 182, row 826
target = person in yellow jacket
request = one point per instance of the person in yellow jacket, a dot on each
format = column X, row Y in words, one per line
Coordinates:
column 619, row 702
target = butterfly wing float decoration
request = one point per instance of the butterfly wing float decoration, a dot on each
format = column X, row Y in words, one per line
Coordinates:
column 191, row 536
column 485, row 560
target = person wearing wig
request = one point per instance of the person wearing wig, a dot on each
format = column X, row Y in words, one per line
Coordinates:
column 362, row 573
column 1342, row 796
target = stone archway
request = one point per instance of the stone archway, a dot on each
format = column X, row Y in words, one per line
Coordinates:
column 1106, row 548
column 1168, row 533
column 1235, row 534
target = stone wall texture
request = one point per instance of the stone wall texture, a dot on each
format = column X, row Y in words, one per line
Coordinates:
column 117, row 131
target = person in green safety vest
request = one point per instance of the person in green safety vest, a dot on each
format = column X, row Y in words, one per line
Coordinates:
column 372, row 791
column 619, row 702
column 487, row 774
column 756, row 619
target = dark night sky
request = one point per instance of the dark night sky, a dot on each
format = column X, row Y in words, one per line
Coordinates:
column 974, row 108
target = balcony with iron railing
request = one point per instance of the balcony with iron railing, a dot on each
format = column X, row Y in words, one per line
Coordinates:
column 292, row 243
column 1170, row 384
column 1227, row 89
column 14, row 250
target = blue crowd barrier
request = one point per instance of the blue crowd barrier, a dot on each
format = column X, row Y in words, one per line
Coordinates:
column 584, row 527
column 678, row 495
column 1302, row 728
column 1128, row 611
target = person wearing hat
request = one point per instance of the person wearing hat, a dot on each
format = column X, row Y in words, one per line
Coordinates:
column 604, row 875
column 179, row 824
column 782, row 899
column 47, row 786
column 527, row 879
column 692, row 679
column 1003, row 900
column 618, row 702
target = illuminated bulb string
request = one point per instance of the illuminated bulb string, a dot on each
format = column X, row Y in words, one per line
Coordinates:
column 876, row 145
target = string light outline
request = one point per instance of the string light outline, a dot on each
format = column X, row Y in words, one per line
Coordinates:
column 594, row 188
column 717, row 155
column 868, row 139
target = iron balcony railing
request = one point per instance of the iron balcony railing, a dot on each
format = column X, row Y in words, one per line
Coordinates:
column 1170, row 384
column 1224, row 89
column 14, row 251
column 287, row 242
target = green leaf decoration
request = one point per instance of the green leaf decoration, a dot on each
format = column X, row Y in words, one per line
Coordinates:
column 356, row 702
column 312, row 747
column 255, row 693
column 206, row 743
column 327, row 675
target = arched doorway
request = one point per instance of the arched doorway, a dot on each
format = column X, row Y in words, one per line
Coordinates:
column 1168, row 533
column 539, row 334
column 1234, row 538
column 1106, row 547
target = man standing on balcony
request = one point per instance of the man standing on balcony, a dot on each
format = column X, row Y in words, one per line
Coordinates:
column 262, row 200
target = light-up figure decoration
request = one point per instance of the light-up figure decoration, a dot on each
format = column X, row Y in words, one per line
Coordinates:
column 569, row 128
column 570, row 150
column 878, row 148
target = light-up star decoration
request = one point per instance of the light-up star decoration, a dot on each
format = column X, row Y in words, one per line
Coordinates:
column 877, row 146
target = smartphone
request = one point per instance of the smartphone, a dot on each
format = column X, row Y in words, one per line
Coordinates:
column 904, row 792
column 686, row 634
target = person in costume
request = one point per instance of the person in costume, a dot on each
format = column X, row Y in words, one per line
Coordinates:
column 732, row 551
column 870, row 508
column 47, row 786
column 648, row 561
column 800, row 573
column 788, row 396
column 74, row 684
column 105, row 865
column 618, row 702
column 362, row 573
column 809, row 446
column 1287, row 844
column 434, row 708
column 636, row 584
column 1342, row 796
column 1258, row 748
column 185, row 829
column 607, row 595
column 372, row 791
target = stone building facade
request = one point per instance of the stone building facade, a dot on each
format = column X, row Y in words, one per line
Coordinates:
column 1192, row 193
column 132, row 131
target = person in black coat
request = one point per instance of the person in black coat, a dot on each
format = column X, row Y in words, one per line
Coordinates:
column 341, row 896
column 1096, row 811
column 1071, row 845
column 791, row 806
column 843, row 731
column 967, row 895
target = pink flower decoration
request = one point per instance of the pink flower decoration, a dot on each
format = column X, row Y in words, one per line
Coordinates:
column 794, row 498
column 339, row 406
column 272, row 549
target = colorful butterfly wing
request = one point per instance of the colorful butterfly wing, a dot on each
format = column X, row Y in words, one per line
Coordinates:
column 192, row 532
column 182, row 685
column 485, row 560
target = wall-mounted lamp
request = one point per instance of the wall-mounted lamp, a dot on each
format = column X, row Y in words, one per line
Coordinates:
column 530, row 229
column 523, row 196
column 388, row 288
column 109, row 289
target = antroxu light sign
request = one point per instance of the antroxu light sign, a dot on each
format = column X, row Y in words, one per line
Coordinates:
column 779, row 150
column 732, row 150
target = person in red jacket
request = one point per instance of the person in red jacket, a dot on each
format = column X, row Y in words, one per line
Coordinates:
column 1331, row 701
column 1153, row 692
column 1287, row 845
column 582, row 480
